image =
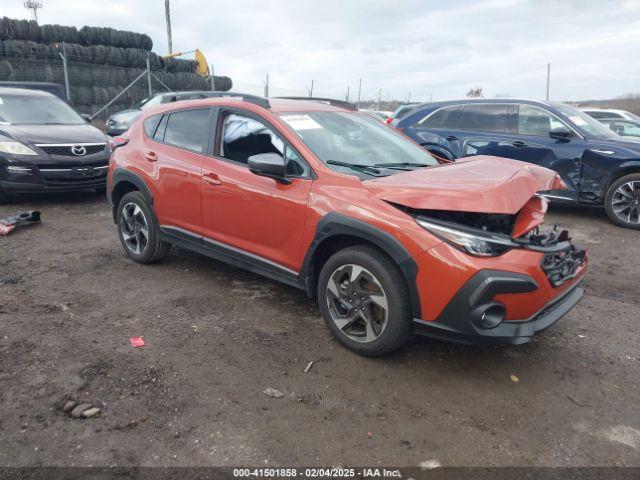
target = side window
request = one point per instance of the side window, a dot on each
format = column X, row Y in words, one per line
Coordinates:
column 627, row 129
column 188, row 129
column 243, row 137
column 442, row 118
column 484, row 118
column 159, row 134
column 151, row 124
column 536, row 121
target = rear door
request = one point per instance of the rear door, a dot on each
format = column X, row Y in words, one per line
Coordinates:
column 248, row 213
column 173, row 156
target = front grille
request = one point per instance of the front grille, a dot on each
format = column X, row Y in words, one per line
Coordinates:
column 76, row 176
column 68, row 150
column 563, row 266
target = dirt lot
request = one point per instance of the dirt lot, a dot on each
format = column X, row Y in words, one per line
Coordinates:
column 217, row 337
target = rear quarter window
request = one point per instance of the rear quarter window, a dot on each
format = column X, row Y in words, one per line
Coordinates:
column 151, row 124
column 188, row 129
column 442, row 118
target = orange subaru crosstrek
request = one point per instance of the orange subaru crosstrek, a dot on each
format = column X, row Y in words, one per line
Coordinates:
column 314, row 194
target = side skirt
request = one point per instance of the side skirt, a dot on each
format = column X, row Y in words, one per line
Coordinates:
column 231, row 255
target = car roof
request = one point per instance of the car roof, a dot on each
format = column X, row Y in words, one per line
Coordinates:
column 276, row 105
column 11, row 91
column 486, row 100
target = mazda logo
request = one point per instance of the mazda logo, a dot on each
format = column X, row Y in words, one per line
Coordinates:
column 78, row 150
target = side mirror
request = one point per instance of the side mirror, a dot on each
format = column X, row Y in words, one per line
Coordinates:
column 87, row 117
column 270, row 165
column 561, row 133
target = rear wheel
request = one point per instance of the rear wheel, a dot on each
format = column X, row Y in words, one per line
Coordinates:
column 364, row 301
column 139, row 231
column 622, row 201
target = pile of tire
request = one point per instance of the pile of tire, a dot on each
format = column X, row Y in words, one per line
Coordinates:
column 101, row 62
column 12, row 29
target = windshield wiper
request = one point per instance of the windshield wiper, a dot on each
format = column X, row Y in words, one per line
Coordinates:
column 370, row 169
column 401, row 164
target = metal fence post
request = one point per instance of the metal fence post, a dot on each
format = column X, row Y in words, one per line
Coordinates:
column 149, row 77
column 66, row 71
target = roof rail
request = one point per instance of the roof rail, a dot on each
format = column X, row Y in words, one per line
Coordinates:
column 261, row 101
column 330, row 101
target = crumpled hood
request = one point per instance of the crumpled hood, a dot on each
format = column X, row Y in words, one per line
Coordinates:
column 81, row 133
column 481, row 184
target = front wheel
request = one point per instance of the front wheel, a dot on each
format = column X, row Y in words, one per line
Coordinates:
column 364, row 301
column 622, row 201
column 139, row 231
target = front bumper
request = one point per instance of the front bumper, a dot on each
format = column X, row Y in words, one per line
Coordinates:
column 55, row 178
column 460, row 321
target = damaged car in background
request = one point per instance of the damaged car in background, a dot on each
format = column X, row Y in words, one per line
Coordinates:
column 597, row 166
column 390, row 240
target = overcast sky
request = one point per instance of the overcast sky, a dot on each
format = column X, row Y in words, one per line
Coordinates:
column 426, row 49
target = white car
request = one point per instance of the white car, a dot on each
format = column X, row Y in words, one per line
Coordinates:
column 599, row 113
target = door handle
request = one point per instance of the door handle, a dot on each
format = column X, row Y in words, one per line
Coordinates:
column 519, row 144
column 151, row 156
column 451, row 138
column 211, row 179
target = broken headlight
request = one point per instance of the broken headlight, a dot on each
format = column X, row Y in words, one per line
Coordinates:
column 472, row 241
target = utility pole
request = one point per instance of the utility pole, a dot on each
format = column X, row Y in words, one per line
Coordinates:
column 149, row 77
column 359, row 93
column 310, row 90
column 409, row 97
column 213, row 79
column 380, row 99
column 33, row 5
column 548, row 79
column 266, row 87
column 346, row 97
column 167, row 14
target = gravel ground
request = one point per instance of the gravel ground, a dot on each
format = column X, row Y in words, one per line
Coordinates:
column 216, row 337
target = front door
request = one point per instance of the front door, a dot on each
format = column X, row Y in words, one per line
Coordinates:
column 252, row 214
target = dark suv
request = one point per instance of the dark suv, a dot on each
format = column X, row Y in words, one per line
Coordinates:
column 46, row 146
column 597, row 165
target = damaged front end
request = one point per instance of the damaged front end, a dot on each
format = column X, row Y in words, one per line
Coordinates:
column 492, row 235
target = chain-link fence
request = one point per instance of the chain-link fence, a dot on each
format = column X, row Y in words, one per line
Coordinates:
column 96, row 63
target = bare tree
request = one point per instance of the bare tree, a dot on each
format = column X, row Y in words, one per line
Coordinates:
column 475, row 92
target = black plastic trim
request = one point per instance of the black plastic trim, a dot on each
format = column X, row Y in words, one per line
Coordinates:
column 231, row 255
column 334, row 224
column 122, row 175
column 455, row 322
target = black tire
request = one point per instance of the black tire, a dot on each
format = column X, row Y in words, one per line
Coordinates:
column 153, row 249
column 399, row 326
column 614, row 196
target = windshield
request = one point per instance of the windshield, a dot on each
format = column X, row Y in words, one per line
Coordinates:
column 355, row 139
column 585, row 122
column 37, row 110
column 633, row 116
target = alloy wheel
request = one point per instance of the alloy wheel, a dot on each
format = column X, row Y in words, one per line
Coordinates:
column 357, row 303
column 134, row 228
column 625, row 202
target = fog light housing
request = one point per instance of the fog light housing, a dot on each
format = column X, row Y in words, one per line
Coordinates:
column 489, row 315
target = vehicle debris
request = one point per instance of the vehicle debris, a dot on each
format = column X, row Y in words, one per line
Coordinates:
column 137, row 342
column 273, row 393
column 308, row 367
column 9, row 224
